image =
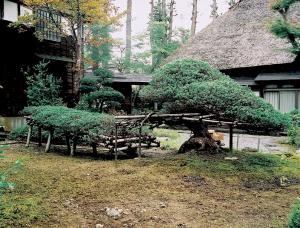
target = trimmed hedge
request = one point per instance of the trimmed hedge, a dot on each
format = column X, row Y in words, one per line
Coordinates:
column 71, row 121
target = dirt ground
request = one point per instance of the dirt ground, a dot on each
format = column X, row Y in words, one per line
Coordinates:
column 152, row 192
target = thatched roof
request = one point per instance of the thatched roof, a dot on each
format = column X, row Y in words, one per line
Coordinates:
column 239, row 38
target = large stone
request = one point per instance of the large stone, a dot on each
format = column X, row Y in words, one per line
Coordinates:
column 114, row 213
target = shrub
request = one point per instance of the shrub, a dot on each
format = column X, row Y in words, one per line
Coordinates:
column 97, row 96
column 87, row 85
column 195, row 86
column 294, row 127
column 71, row 121
column 103, row 76
column 294, row 217
column 42, row 88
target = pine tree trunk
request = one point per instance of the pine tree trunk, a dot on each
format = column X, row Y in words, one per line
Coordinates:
column 201, row 141
column 194, row 17
column 128, row 31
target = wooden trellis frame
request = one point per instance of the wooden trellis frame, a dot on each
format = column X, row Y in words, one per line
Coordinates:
column 117, row 143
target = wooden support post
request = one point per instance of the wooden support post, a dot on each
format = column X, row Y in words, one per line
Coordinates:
column 40, row 136
column 28, row 136
column 258, row 144
column 155, row 106
column 231, row 138
column 94, row 146
column 116, row 143
column 237, row 141
column 74, row 145
column 68, row 144
column 140, row 142
column 48, row 145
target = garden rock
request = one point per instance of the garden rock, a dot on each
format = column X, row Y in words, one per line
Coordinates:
column 162, row 205
column 114, row 213
column 231, row 158
column 99, row 226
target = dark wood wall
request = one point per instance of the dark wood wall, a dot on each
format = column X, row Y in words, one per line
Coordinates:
column 20, row 52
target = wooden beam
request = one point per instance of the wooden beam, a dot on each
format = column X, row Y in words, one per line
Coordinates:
column 231, row 138
column 164, row 116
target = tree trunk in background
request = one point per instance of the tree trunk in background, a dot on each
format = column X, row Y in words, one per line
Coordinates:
column 214, row 9
column 172, row 6
column 194, row 17
column 78, row 74
column 150, row 25
column 128, row 31
column 152, row 10
column 164, row 8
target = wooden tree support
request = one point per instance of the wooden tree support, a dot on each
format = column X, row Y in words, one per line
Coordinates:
column 48, row 145
column 29, row 135
column 40, row 136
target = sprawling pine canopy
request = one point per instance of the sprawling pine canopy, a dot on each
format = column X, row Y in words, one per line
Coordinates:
column 195, row 86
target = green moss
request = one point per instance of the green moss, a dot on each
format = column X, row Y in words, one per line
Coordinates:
column 21, row 212
column 294, row 217
column 248, row 166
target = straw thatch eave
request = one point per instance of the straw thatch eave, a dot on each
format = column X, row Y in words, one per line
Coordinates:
column 239, row 39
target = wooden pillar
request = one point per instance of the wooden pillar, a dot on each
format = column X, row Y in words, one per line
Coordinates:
column 28, row 136
column 48, row 145
column 94, row 146
column 231, row 137
column 68, row 143
column 116, row 143
column 74, row 145
column 140, row 142
column 40, row 136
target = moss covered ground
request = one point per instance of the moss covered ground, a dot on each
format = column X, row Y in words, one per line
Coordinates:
column 53, row 190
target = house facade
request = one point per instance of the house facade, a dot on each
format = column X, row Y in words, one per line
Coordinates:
column 240, row 44
column 20, row 51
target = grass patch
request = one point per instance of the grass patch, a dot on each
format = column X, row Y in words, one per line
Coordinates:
column 248, row 166
column 171, row 139
column 160, row 132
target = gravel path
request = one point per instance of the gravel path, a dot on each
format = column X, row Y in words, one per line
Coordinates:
column 265, row 144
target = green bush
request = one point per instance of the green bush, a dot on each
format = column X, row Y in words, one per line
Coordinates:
column 195, row 86
column 294, row 127
column 42, row 88
column 87, row 85
column 294, row 217
column 71, row 121
column 97, row 96
column 103, row 76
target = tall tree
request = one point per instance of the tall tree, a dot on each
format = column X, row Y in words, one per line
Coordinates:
column 171, row 19
column 194, row 17
column 76, row 14
column 214, row 9
column 128, row 31
column 99, row 45
column 284, row 27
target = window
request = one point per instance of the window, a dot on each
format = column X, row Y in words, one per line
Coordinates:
column 284, row 100
column 46, row 25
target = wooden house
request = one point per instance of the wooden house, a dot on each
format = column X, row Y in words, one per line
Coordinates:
column 240, row 44
column 22, row 50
